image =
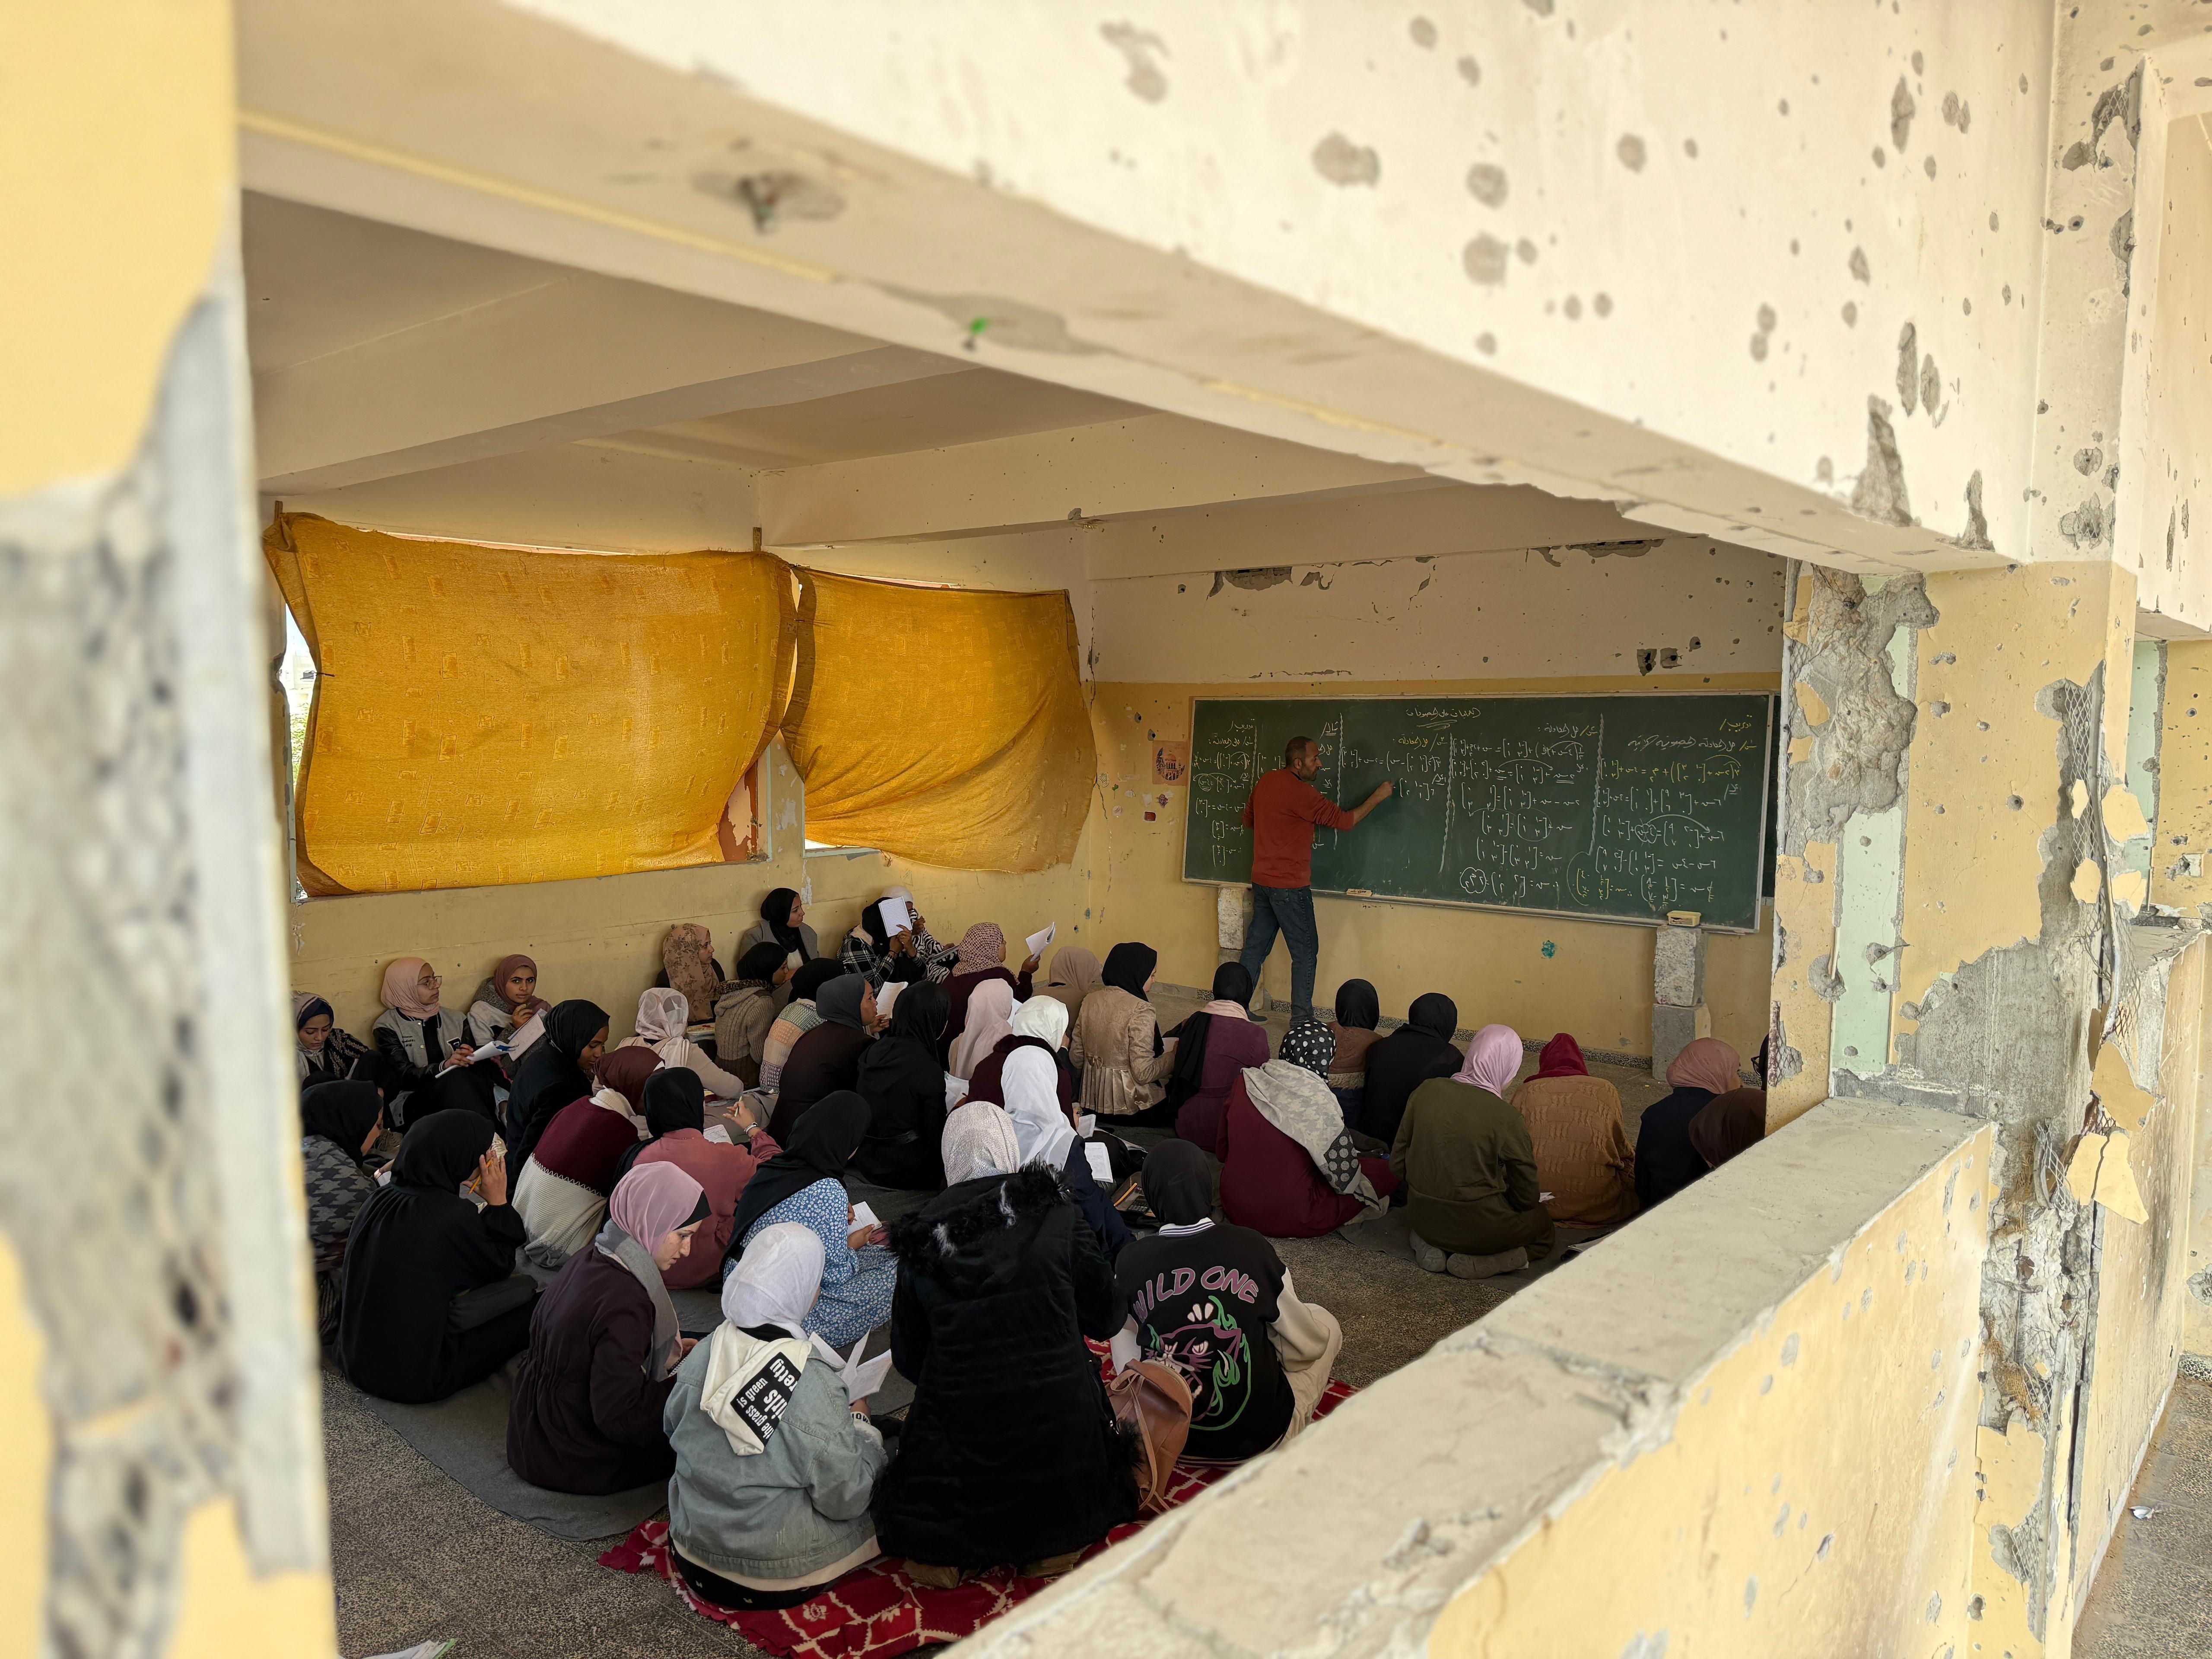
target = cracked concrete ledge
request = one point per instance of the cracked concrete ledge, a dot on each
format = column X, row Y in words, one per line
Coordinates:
column 1352, row 1540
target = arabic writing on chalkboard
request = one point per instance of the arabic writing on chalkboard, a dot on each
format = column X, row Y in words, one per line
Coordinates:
column 1624, row 807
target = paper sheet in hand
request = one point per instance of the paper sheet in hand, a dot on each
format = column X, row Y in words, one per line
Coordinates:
column 861, row 1377
column 489, row 1051
column 525, row 1034
column 1038, row 941
column 862, row 1216
column 717, row 1133
column 1087, row 1125
column 955, row 1090
column 897, row 917
column 1101, row 1160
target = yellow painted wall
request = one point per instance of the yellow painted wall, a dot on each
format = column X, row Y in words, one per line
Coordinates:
column 2184, row 780
column 1596, row 983
column 1817, row 1492
column 601, row 939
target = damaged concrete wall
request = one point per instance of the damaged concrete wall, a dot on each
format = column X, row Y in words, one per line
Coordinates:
column 156, row 1348
column 1555, row 620
column 1786, row 1455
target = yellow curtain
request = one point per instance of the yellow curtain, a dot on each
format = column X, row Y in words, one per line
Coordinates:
column 493, row 714
column 945, row 727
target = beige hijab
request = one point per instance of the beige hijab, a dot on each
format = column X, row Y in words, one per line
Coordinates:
column 1074, row 970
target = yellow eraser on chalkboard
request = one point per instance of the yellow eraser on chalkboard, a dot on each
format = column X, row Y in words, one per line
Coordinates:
column 1359, row 892
column 1684, row 918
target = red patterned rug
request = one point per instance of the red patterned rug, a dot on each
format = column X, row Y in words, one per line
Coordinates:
column 876, row 1611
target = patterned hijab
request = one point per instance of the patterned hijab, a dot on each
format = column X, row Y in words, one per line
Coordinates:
column 688, row 954
column 982, row 947
column 979, row 1140
column 1310, row 1044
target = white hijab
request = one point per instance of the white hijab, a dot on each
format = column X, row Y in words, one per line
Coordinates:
column 662, row 1014
column 979, row 1140
column 1044, row 1018
column 1031, row 1085
column 776, row 1280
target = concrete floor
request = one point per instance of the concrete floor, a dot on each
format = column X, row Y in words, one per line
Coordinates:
column 416, row 1557
column 2152, row 1599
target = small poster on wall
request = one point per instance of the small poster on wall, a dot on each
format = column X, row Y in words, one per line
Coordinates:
column 1170, row 762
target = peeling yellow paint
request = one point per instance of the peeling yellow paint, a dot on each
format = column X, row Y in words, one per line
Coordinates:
column 1805, row 909
column 117, row 168
column 2088, row 880
column 1811, row 705
column 2077, row 799
column 1800, row 751
column 2123, row 814
column 2128, row 888
column 2184, row 773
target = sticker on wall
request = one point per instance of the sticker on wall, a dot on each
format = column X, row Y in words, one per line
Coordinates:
column 1170, row 762
column 1550, row 948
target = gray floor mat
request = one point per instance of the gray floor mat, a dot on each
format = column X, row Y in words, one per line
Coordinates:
column 466, row 1437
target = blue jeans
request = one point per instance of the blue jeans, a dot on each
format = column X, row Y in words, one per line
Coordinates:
column 1289, row 911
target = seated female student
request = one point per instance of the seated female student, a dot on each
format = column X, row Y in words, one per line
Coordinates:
column 904, row 1087
column 562, row 1191
column 1212, row 1047
column 1074, row 970
column 1398, row 1064
column 556, row 1071
column 773, row 1468
column 1011, row 1454
column 795, row 1019
column 828, row 1058
column 663, row 1016
column 1117, row 1045
column 979, row 1140
column 746, row 1013
column 431, row 1302
column 326, row 1055
column 1358, row 1011
column 676, row 1114
column 1729, row 1125
column 990, row 1022
column 805, row 1183
column 687, row 964
column 1048, row 1138
column 879, row 954
column 604, row 1348
column 417, row 1041
column 1581, row 1152
column 1288, row 1167
column 1256, row 1358
column 1666, row 1159
column 981, row 961
column 783, row 924
column 1040, row 1024
column 506, row 1001
column 339, row 1122
column 1469, row 1167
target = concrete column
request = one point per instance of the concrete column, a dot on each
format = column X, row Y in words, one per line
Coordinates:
column 1952, row 935
column 1679, row 1014
column 157, row 1348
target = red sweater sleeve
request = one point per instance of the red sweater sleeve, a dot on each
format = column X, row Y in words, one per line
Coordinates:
column 1309, row 804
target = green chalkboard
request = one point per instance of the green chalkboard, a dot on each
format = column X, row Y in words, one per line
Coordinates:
column 1617, row 808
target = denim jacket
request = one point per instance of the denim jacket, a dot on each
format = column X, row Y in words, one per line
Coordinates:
column 786, row 1512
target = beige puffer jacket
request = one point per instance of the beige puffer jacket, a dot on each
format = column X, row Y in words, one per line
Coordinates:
column 1113, row 1044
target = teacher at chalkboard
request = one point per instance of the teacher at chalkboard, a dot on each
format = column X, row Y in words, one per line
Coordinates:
column 1282, row 812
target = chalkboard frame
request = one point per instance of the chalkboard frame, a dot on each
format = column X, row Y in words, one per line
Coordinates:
column 1762, row 897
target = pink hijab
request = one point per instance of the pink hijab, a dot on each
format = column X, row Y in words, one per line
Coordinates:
column 1708, row 1064
column 401, row 991
column 1491, row 1059
column 982, row 948
column 990, row 1017
column 651, row 1202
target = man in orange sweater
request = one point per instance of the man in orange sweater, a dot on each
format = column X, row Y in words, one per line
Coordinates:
column 1283, row 812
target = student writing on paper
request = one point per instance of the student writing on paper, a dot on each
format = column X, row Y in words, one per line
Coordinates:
column 425, row 1049
column 805, row 1183
column 663, row 1018
column 795, row 1018
column 326, row 1055
column 506, row 999
column 675, row 1116
column 585, row 1416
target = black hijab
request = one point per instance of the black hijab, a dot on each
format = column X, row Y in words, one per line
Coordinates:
column 442, row 1150
column 1231, row 983
column 758, row 964
column 1128, row 966
column 839, row 1001
column 674, row 1099
column 919, row 1014
column 1359, row 1009
column 1179, row 1183
column 822, row 1143
column 1435, row 1013
column 815, row 973
column 776, row 911
column 549, row 1076
column 341, row 1114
